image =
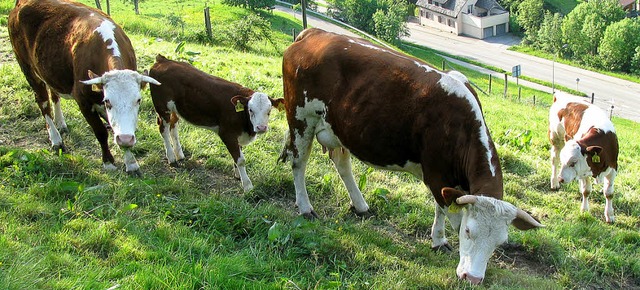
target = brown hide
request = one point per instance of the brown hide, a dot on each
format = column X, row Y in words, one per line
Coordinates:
column 571, row 117
column 200, row 98
column 608, row 156
column 389, row 109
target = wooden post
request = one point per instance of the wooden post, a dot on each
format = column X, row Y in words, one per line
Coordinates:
column 135, row 7
column 108, row 8
column 97, row 4
column 443, row 64
column 207, row 22
column 593, row 95
column 303, row 3
column 505, row 85
column 490, row 78
column 611, row 114
column 534, row 100
column 519, row 93
column 293, row 33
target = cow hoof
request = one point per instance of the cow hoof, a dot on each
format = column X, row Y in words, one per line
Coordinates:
column 174, row 164
column 555, row 188
column 57, row 148
column 311, row 215
column 445, row 248
column 63, row 130
column 365, row 214
column 135, row 173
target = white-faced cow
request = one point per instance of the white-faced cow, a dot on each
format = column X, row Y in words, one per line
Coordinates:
column 66, row 49
column 234, row 112
column 395, row 112
column 584, row 145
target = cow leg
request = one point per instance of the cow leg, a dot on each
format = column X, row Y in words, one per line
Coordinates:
column 58, row 116
column 342, row 161
column 555, row 164
column 585, row 189
column 100, row 132
column 165, row 132
column 608, row 194
column 298, row 148
column 238, row 158
column 177, row 147
column 439, row 240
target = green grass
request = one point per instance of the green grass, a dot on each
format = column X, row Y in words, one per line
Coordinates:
column 66, row 223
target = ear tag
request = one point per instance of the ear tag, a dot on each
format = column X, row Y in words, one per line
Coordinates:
column 239, row 107
column 454, row 208
column 595, row 158
column 96, row 88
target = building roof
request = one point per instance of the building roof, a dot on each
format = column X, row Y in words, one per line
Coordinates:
column 454, row 7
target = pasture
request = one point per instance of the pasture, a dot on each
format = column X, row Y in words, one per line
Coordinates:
column 66, row 223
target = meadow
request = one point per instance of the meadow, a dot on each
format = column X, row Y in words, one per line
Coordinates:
column 66, row 223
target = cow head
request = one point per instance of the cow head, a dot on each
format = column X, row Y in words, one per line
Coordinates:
column 573, row 158
column 121, row 90
column 484, row 226
column 259, row 107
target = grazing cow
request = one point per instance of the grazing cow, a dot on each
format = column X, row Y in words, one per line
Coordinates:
column 59, row 45
column 234, row 112
column 395, row 112
column 584, row 144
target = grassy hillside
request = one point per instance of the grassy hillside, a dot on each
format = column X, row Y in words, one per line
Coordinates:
column 66, row 223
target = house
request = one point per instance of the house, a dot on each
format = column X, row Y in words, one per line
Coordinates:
column 474, row 18
column 631, row 7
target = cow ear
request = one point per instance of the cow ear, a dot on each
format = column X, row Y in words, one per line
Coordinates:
column 94, row 80
column 92, row 75
column 239, row 102
column 594, row 152
column 524, row 221
column 450, row 195
column 278, row 104
column 561, row 113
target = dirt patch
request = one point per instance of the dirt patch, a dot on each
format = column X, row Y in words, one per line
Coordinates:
column 516, row 256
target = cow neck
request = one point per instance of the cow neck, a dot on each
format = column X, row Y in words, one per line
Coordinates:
column 478, row 173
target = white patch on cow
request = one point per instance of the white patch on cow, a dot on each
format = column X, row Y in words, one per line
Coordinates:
column 574, row 163
column 424, row 66
column 130, row 162
column 484, row 226
column 325, row 135
column 54, row 135
column 309, row 115
column 242, row 172
column 92, row 14
column 594, row 117
column 259, row 107
column 454, row 84
column 107, row 31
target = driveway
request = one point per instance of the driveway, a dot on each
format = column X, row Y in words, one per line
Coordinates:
column 608, row 91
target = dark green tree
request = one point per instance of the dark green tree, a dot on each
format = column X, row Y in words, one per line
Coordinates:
column 529, row 14
column 619, row 43
column 549, row 37
column 389, row 24
column 251, row 4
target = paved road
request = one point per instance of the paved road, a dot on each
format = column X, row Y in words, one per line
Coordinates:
column 623, row 95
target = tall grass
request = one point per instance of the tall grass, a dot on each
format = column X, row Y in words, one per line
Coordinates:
column 65, row 223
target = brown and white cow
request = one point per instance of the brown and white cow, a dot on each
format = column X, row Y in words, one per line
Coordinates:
column 584, row 145
column 59, row 45
column 237, row 114
column 395, row 112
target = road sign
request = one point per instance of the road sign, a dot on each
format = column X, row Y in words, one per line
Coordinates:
column 515, row 71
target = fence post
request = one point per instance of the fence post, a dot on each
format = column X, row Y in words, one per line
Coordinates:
column 443, row 64
column 534, row 100
column 293, row 33
column 98, row 4
column 207, row 22
column 519, row 93
column 611, row 114
column 490, row 79
column 505, row 85
column 108, row 8
column 135, row 7
column 593, row 95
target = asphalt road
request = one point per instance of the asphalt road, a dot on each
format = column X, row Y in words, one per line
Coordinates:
column 623, row 95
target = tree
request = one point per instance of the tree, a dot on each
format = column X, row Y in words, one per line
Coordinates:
column 550, row 33
column 585, row 25
column 618, row 46
column 635, row 62
column 529, row 14
column 252, row 4
column 389, row 25
column 249, row 29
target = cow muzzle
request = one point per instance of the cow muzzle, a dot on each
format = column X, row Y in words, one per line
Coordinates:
column 126, row 140
column 261, row 129
column 472, row 279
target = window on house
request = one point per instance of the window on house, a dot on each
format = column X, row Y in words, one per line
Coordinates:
column 470, row 9
column 451, row 23
column 440, row 19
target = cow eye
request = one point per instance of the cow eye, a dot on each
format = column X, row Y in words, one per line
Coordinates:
column 107, row 104
column 138, row 101
column 467, row 232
